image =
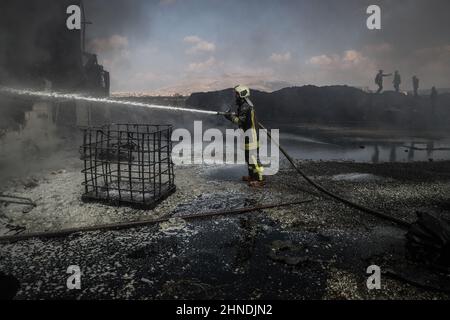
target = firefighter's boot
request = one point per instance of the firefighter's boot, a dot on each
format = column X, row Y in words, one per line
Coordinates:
column 256, row 183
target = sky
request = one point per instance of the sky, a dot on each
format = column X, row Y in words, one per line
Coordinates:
column 184, row 46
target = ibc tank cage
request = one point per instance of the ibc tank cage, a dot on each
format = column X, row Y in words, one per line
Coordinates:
column 128, row 164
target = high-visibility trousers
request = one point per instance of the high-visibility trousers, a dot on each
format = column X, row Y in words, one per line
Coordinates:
column 255, row 169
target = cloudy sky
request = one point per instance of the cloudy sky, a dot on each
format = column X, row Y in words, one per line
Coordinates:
column 167, row 46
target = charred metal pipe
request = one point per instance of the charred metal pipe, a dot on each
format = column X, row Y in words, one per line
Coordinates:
column 17, row 200
column 142, row 223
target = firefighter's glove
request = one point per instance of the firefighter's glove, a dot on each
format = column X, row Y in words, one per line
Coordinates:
column 229, row 115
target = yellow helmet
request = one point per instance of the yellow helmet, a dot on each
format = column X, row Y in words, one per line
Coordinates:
column 242, row 91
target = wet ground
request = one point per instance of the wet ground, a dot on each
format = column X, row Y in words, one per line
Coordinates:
column 318, row 250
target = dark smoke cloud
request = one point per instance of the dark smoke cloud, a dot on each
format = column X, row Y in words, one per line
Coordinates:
column 132, row 18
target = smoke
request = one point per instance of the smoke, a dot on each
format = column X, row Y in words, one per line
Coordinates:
column 41, row 131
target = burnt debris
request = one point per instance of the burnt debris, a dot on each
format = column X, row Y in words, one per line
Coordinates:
column 428, row 240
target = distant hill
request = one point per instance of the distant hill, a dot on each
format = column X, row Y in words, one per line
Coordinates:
column 329, row 104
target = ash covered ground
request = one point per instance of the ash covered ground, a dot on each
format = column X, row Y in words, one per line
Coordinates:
column 318, row 250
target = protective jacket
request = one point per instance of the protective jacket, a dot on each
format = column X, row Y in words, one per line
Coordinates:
column 245, row 118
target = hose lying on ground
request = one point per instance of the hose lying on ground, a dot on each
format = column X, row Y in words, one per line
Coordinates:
column 398, row 222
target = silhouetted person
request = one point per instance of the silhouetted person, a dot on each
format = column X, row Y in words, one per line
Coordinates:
column 411, row 153
column 430, row 148
column 397, row 81
column 415, row 81
column 393, row 154
column 433, row 98
column 379, row 80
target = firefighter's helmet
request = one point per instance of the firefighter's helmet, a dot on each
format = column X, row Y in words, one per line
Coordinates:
column 242, row 91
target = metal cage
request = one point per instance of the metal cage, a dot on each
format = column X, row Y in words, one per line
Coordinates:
column 128, row 164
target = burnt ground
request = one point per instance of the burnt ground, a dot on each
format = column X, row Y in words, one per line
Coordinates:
column 319, row 250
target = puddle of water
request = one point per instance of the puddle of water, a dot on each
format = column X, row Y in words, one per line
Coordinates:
column 316, row 146
column 226, row 173
column 231, row 257
column 361, row 150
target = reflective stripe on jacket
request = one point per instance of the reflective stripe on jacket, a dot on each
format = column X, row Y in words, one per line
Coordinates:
column 246, row 120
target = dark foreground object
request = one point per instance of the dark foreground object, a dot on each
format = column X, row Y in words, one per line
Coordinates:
column 429, row 241
column 9, row 286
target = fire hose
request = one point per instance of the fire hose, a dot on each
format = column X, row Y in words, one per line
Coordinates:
column 333, row 195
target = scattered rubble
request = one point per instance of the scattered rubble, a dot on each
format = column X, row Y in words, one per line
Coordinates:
column 31, row 183
column 429, row 241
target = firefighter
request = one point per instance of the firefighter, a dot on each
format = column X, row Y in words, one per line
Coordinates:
column 245, row 118
column 379, row 80
column 397, row 81
column 415, row 81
